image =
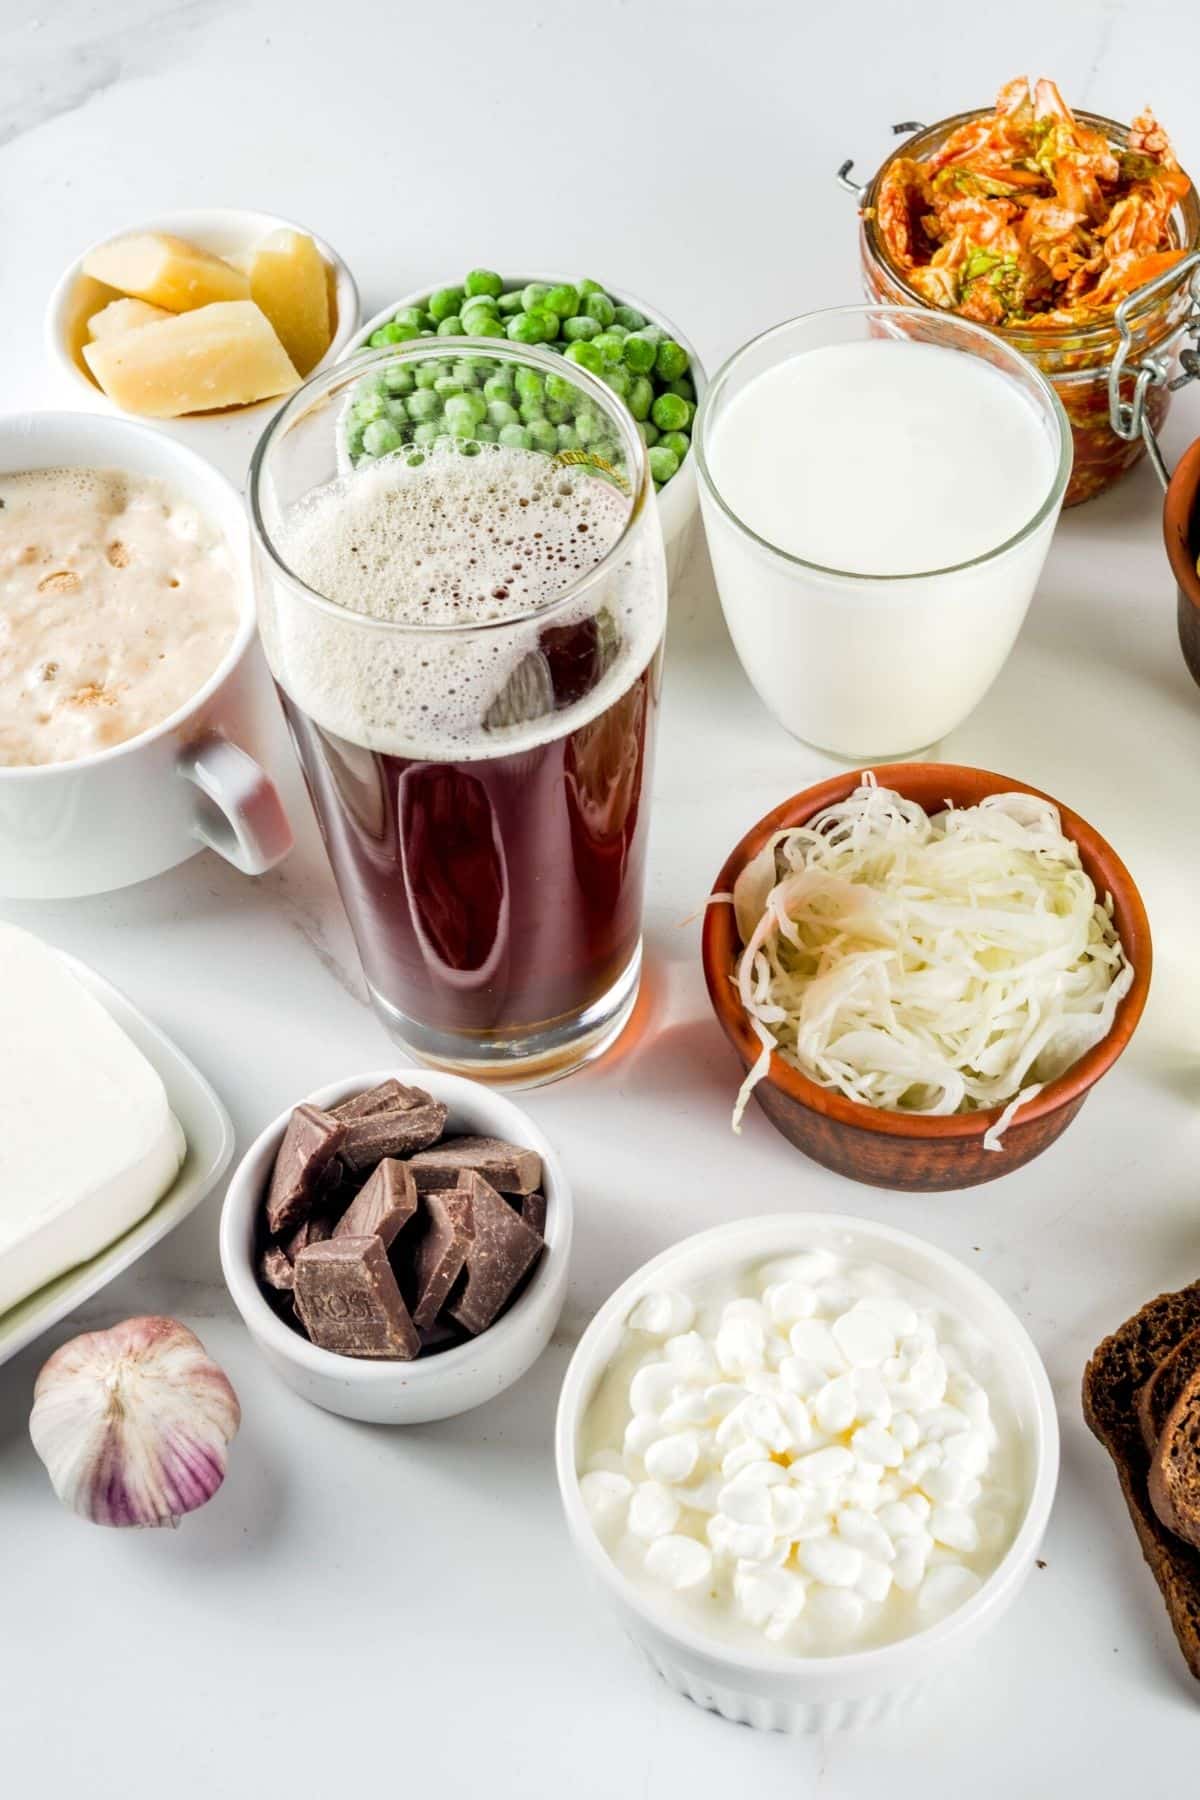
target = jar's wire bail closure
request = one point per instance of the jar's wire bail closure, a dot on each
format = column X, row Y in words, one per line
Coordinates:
column 858, row 188
column 1129, row 418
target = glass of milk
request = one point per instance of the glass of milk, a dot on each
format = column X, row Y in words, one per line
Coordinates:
column 879, row 488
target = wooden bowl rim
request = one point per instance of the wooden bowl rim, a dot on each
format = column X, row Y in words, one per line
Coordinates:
column 1179, row 512
column 964, row 786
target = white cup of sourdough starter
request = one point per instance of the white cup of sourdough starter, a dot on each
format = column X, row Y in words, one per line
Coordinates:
column 129, row 811
column 879, row 487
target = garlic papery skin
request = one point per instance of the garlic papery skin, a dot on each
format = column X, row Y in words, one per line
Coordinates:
column 133, row 1424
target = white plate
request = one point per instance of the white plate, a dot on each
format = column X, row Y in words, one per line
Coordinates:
column 209, row 1133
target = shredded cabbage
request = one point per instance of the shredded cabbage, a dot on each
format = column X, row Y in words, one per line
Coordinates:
column 931, row 965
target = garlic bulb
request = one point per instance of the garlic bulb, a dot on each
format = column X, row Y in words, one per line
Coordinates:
column 133, row 1424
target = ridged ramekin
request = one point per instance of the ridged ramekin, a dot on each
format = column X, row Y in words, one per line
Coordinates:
column 765, row 1688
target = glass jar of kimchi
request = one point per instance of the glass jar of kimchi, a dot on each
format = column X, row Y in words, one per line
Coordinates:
column 1076, row 355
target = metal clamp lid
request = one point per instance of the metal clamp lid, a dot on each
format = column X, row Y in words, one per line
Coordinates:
column 859, row 188
column 1129, row 418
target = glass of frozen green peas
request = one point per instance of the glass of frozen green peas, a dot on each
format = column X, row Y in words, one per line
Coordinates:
column 637, row 358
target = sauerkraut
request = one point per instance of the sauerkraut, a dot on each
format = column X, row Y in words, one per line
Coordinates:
column 942, row 964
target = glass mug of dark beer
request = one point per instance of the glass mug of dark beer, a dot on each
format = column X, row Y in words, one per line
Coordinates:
column 462, row 598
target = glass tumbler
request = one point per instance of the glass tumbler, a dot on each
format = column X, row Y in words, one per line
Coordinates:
column 873, row 666
column 462, row 599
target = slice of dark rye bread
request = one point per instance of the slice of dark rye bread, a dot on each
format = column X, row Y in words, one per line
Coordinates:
column 1121, row 1365
column 1174, row 1479
column 1156, row 1397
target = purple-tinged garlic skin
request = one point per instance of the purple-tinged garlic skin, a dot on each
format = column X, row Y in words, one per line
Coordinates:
column 134, row 1424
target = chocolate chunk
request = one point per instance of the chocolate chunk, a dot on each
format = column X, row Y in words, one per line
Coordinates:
column 509, row 1168
column 348, row 1301
column 443, row 1335
column 392, row 1133
column 385, row 1203
column 310, row 1142
column 533, row 1210
column 313, row 1231
column 440, row 1253
column 275, row 1270
column 502, row 1247
column 389, row 1096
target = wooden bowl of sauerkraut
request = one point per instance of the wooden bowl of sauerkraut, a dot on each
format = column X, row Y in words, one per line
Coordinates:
column 924, row 974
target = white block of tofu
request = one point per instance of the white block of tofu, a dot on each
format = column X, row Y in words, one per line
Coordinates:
column 166, row 271
column 88, row 1142
column 221, row 355
column 124, row 315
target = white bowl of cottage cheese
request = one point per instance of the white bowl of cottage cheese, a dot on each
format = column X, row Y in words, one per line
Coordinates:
column 809, row 1460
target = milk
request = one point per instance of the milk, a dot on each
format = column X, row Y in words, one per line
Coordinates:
column 887, row 463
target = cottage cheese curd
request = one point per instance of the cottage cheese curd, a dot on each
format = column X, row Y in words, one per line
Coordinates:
column 816, row 1454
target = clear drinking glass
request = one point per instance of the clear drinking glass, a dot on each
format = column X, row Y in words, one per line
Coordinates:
column 465, row 632
column 873, row 666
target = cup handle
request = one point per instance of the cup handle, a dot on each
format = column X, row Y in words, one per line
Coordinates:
column 238, row 812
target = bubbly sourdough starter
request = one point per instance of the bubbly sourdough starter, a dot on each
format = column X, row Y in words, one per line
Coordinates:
column 815, row 1453
column 117, row 601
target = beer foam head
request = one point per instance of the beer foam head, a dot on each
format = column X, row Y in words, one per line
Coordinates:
column 491, row 540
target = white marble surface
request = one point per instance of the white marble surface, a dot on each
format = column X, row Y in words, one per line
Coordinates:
column 362, row 1605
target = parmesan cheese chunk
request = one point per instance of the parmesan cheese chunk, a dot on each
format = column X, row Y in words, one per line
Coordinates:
column 220, row 355
column 288, row 280
column 124, row 315
column 166, row 271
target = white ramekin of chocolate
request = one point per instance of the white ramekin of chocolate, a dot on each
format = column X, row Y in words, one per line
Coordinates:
column 398, row 1249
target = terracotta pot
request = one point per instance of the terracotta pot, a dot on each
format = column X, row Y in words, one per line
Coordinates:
column 1181, row 528
column 908, row 1150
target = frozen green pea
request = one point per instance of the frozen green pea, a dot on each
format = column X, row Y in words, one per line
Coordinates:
column 411, row 315
column 483, row 281
column 676, row 441
column 380, row 438
column 426, row 373
column 446, row 386
column 649, row 432
column 669, row 412
column 588, row 426
column 429, row 334
column 394, row 334
column 444, row 302
column 617, row 331
column 368, row 407
column 429, row 431
column 398, row 379
column 543, row 436
column 486, row 432
column 514, row 437
column 586, row 355
column 534, row 327
column 671, row 360
column 489, row 327
column 354, row 437
column 466, row 371
column 468, row 405
column 559, row 412
column 451, row 327
column 562, row 300
column 533, row 295
column 501, row 413
column 559, row 388
column 597, row 305
column 498, row 386
column 396, row 411
column 663, row 462
column 589, row 287
column 629, row 317
column 529, row 383
column 414, row 459
column 683, row 387
column 617, row 377
column 568, row 437
column 610, row 347
column 639, row 352
column 507, row 304
column 580, row 328
column 424, row 404
column 530, row 410
column 640, row 397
